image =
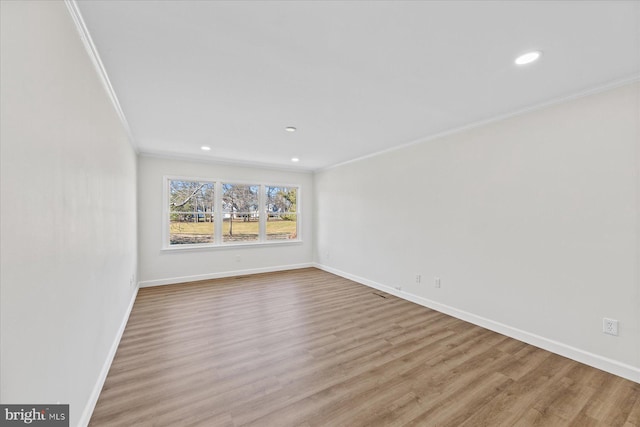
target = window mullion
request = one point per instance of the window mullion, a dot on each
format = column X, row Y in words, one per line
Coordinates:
column 166, row 229
column 217, row 214
column 262, row 214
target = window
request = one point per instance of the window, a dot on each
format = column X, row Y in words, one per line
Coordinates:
column 282, row 219
column 203, row 213
column 240, row 205
column 191, row 207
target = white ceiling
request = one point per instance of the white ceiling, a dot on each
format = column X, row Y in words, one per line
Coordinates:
column 355, row 77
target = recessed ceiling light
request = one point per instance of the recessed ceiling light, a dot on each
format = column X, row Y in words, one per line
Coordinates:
column 205, row 148
column 290, row 129
column 528, row 58
column 295, row 159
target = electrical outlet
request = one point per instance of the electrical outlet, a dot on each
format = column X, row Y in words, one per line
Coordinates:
column 436, row 282
column 610, row 326
column 238, row 258
column 418, row 278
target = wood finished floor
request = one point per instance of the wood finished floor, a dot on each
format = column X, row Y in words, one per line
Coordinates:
column 307, row 348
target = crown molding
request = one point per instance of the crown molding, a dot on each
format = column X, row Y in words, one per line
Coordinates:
column 221, row 161
column 87, row 41
column 555, row 101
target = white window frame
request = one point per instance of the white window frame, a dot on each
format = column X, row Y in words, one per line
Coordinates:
column 218, row 215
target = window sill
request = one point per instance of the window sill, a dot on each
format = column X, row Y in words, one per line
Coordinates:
column 195, row 247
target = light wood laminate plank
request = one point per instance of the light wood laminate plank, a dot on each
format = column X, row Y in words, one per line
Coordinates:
column 308, row 348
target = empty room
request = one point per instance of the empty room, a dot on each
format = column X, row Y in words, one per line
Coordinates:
column 320, row 213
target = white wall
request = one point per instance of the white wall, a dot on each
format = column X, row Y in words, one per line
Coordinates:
column 158, row 267
column 68, row 218
column 530, row 222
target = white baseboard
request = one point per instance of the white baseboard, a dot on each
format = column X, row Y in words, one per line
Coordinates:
column 219, row 275
column 609, row 365
column 95, row 394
